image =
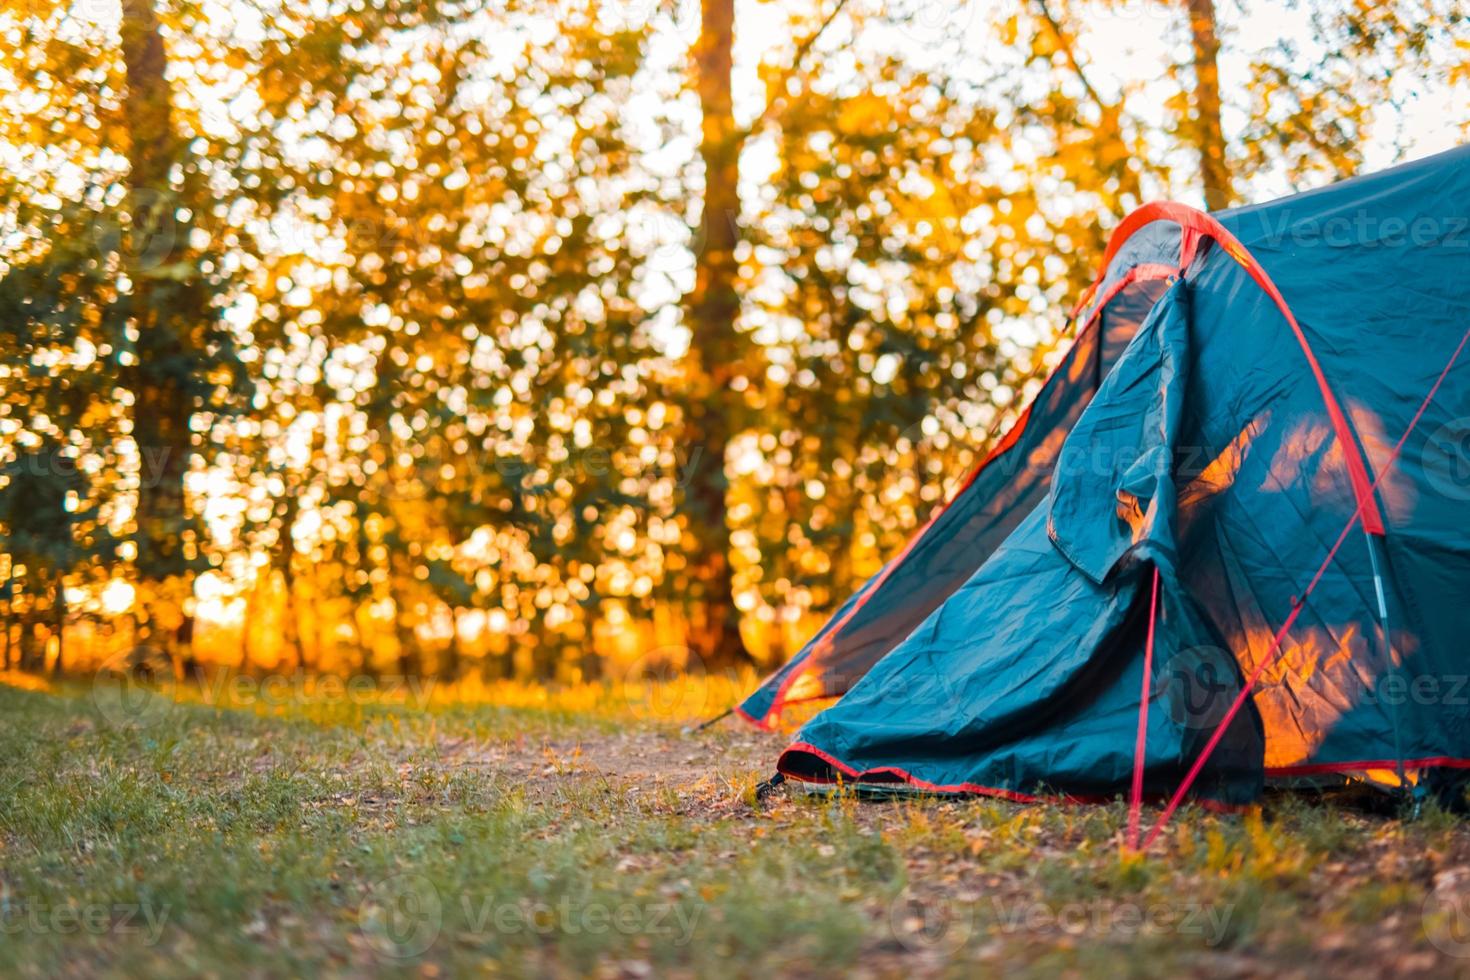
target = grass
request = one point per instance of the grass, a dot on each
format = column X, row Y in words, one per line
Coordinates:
column 442, row 835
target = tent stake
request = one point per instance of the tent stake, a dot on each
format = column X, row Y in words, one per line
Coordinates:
column 690, row 730
column 766, row 788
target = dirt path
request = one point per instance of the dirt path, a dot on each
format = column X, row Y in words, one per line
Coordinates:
column 664, row 757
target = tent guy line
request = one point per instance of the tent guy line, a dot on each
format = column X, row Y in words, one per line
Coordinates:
column 1297, row 605
column 1007, row 645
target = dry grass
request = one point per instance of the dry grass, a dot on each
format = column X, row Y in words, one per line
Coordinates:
column 580, row 831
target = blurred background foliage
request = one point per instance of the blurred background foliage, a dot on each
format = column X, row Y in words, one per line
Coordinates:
column 515, row 339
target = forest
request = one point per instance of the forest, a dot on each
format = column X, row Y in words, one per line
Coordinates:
column 520, row 339
column 424, row 422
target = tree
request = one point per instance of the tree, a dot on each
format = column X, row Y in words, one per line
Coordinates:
column 178, row 356
column 61, row 330
column 50, row 527
column 166, row 303
column 713, row 359
column 1209, row 134
column 904, row 288
column 494, row 394
column 402, row 286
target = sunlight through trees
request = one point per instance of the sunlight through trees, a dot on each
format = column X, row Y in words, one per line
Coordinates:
column 514, row 339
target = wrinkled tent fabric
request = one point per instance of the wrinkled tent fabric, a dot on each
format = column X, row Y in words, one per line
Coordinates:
column 1185, row 435
column 1007, row 485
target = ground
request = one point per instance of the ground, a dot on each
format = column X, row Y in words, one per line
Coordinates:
column 302, row 831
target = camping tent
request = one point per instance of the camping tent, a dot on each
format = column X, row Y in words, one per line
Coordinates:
column 1228, row 542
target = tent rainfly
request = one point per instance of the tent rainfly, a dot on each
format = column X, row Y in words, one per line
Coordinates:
column 1226, row 545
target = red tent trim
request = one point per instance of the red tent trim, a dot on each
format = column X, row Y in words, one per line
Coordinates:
column 1197, row 224
column 972, row 789
column 1143, row 272
column 1299, row 602
column 1326, row 768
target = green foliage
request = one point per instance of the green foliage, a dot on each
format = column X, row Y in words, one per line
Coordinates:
column 362, row 332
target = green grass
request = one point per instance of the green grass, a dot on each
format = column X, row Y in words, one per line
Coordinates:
column 451, row 839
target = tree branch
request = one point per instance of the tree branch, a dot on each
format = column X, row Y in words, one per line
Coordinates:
column 1066, row 43
column 797, row 60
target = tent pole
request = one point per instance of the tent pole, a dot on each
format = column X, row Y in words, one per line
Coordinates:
column 1374, row 544
column 1135, row 800
column 1296, row 608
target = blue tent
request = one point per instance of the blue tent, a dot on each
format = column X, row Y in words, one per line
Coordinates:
column 1227, row 543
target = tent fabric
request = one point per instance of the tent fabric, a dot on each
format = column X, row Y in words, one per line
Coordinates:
column 1003, row 651
column 1003, row 489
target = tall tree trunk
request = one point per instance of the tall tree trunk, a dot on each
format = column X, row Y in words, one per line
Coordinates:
column 28, row 657
column 452, row 654
column 58, row 624
column 1209, row 135
column 161, row 402
column 9, row 622
column 286, row 566
column 714, row 304
column 410, row 662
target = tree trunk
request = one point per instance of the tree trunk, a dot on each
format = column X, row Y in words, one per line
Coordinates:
column 410, row 664
column 714, row 304
column 450, row 671
column 7, row 663
column 28, row 658
column 161, row 403
column 58, row 620
column 1209, row 135
column 286, row 566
